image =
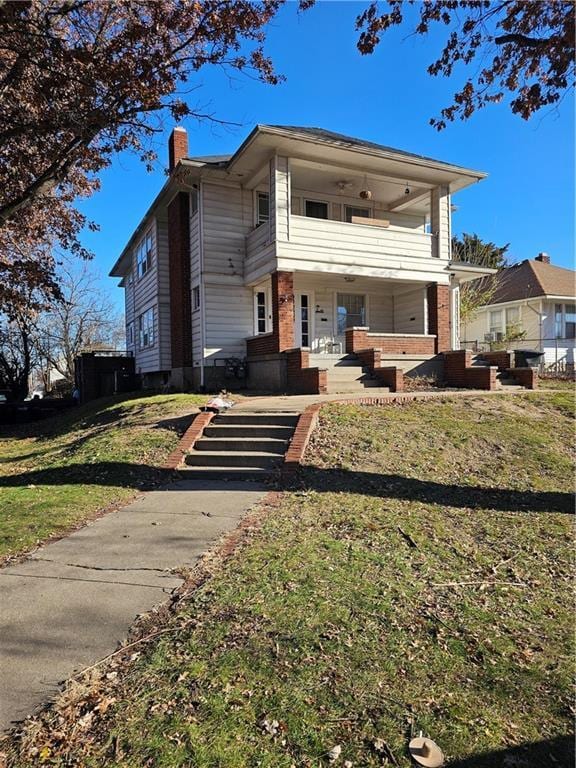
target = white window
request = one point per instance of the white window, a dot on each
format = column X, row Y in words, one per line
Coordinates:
column 304, row 311
column 146, row 328
column 351, row 210
column 512, row 319
column 565, row 321
column 496, row 319
column 262, row 208
column 316, row 209
column 130, row 335
column 350, row 311
column 196, row 297
column 261, row 311
column 569, row 321
column 144, row 254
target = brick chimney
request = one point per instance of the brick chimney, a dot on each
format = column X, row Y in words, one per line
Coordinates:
column 177, row 147
column 543, row 257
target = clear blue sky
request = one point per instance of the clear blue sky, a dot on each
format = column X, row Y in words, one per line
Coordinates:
column 527, row 200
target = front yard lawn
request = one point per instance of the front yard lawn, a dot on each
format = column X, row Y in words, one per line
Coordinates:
column 417, row 576
column 57, row 473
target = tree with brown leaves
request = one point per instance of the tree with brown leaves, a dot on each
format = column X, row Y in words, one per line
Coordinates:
column 80, row 81
column 524, row 49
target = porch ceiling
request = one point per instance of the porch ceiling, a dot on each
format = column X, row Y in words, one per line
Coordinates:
column 352, row 284
column 322, row 179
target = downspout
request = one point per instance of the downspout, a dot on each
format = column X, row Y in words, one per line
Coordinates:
column 202, row 290
column 541, row 318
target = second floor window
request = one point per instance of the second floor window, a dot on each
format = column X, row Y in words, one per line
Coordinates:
column 130, row 335
column 144, row 254
column 351, row 211
column 263, row 208
column 316, row 209
column 146, row 328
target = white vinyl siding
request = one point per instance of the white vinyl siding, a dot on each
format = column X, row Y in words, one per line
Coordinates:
column 229, row 317
column 362, row 250
column 227, row 218
column 409, row 311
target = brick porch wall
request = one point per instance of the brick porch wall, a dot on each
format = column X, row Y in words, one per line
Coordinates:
column 264, row 344
column 389, row 376
column 459, row 372
column 526, row 377
column 439, row 316
column 301, row 378
column 361, row 338
column 179, row 275
column 502, row 359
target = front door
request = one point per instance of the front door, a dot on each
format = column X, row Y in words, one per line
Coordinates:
column 350, row 312
column 303, row 329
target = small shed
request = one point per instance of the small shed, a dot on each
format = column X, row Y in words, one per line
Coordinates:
column 104, row 372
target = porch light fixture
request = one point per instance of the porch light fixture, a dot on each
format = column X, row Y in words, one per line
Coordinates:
column 349, row 279
column 343, row 185
column 365, row 194
column 407, row 190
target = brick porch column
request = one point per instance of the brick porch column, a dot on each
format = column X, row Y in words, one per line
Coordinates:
column 180, row 298
column 283, row 308
column 439, row 315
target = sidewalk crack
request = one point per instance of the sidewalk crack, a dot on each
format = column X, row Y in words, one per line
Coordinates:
column 103, row 568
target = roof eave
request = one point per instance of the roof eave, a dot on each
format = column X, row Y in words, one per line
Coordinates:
column 385, row 154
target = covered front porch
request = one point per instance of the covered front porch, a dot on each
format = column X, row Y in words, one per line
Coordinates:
column 398, row 316
column 303, row 320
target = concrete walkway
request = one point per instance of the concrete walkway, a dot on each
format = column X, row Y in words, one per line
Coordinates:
column 298, row 403
column 73, row 600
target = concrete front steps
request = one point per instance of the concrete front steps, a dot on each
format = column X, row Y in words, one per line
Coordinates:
column 242, row 445
column 503, row 379
column 346, row 374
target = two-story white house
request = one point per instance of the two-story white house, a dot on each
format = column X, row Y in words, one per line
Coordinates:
column 301, row 247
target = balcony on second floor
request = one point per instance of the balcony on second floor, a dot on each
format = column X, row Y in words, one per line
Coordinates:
column 315, row 217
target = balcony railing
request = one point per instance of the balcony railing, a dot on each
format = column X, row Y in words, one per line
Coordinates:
column 364, row 238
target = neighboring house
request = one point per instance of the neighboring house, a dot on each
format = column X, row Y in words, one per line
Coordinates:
column 275, row 253
column 537, row 300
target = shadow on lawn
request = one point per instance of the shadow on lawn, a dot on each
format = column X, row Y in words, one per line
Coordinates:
column 558, row 752
column 431, row 492
column 322, row 480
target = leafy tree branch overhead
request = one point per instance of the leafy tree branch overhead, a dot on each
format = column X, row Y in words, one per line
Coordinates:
column 516, row 49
